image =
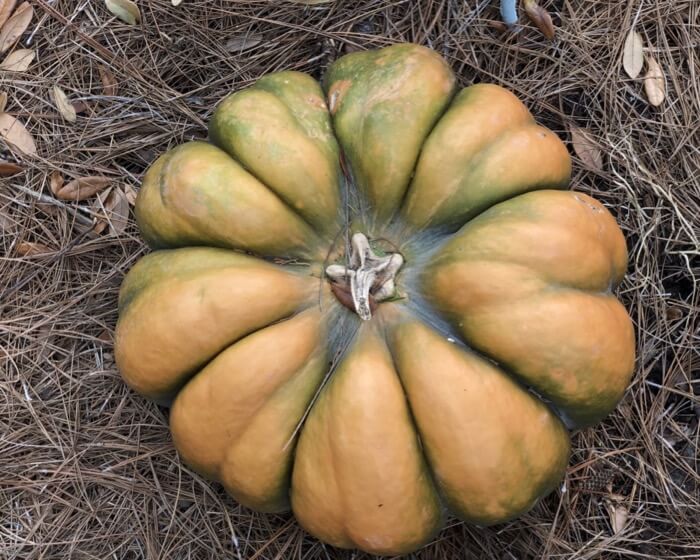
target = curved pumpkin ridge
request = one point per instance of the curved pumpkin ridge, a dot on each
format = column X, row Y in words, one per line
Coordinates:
column 359, row 479
column 494, row 449
column 575, row 348
column 384, row 103
column 509, row 281
column 177, row 321
column 485, row 149
column 235, row 420
column 562, row 237
column 181, row 263
column 477, row 116
column 195, row 194
column 280, row 130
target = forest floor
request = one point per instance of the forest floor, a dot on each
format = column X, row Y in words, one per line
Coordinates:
column 87, row 467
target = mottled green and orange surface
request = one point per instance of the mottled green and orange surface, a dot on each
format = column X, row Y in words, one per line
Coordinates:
column 449, row 399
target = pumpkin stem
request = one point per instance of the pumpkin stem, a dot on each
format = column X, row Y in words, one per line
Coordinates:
column 369, row 277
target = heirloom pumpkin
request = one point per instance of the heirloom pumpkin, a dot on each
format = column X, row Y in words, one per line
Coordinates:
column 374, row 303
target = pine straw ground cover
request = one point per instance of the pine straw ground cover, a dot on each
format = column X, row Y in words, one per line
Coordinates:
column 87, row 469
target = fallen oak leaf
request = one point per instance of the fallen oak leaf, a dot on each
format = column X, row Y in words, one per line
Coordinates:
column 674, row 313
column 82, row 188
column 109, row 82
column 117, row 206
column 7, row 168
column 15, row 134
column 617, row 512
column 540, row 17
column 125, row 10
column 497, row 25
column 106, row 337
column 131, row 194
column 6, row 7
column 98, row 206
column 586, row 148
column 80, row 106
column 654, row 82
column 31, row 248
column 18, row 61
column 120, row 219
column 63, row 105
column 633, row 54
column 55, row 182
column 244, row 42
column 15, row 26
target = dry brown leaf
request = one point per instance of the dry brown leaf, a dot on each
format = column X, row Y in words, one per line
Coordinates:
column 243, row 42
column 620, row 516
column 176, row 2
column 98, row 206
column 497, row 25
column 16, row 134
column 674, row 313
column 120, row 217
column 586, row 148
column 63, row 104
column 106, row 336
column 3, row 101
column 15, row 26
column 114, row 205
column 30, row 248
column 618, row 513
column 633, row 54
column 109, row 82
column 18, row 61
column 6, row 7
column 117, row 207
column 100, row 226
column 131, row 194
column 51, row 210
column 654, row 82
column 540, row 17
column 80, row 106
column 55, row 182
column 82, row 188
column 7, row 168
column 125, row 10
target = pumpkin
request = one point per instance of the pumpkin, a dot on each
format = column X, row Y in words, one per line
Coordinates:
column 374, row 302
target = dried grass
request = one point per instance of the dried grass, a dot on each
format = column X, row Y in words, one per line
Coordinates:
column 87, row 469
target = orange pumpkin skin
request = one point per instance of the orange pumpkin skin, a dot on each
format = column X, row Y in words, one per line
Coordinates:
column 479, row 278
